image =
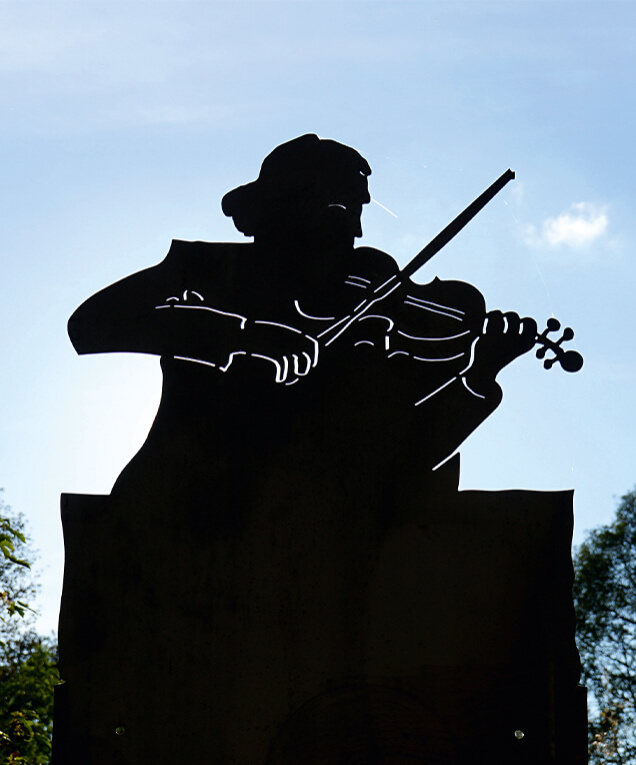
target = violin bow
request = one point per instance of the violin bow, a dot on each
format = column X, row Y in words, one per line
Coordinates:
column 422, row 257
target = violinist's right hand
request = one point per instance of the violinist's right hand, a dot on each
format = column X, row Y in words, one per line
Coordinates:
column 292, row 352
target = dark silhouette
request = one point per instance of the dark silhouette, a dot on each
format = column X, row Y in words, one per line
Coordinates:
column 275, row 310
column 286, row 557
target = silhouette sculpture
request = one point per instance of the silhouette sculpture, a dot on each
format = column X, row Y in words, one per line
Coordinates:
column 286, row 571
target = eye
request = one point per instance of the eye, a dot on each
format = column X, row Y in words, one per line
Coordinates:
column 342, row 207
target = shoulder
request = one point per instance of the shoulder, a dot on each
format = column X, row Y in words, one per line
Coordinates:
column 180, row 249
column 205, row 262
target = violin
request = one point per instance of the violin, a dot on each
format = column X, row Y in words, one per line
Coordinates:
column 439, row 323
column 456, row 311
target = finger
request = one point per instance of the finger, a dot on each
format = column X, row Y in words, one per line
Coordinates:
column 316, row 348
column 281, row 369
column 528, row 332
column 302, row 364
column 512, row 323
column 284, row 370
column 528, row 326
column 494, row 323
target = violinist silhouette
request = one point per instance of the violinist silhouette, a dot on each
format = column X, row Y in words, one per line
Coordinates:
column 278, row 312
column 286, row 569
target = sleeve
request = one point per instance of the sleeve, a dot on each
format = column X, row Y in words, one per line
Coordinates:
column 139, row 313
column 451, row 414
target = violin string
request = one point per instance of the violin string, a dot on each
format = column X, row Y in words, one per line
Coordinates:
column 536, row 265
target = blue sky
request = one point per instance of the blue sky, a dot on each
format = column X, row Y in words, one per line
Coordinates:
column 123, row 124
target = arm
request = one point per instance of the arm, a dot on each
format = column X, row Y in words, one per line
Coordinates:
column 472, row 396
column 160, row 311
column 135, row 314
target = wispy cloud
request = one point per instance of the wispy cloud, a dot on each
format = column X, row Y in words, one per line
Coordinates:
column 582, row 223
column 578, row 226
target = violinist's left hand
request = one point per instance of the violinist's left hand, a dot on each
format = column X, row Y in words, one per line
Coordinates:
column 505, row 336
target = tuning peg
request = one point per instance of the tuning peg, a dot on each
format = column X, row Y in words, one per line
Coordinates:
column 570, row 361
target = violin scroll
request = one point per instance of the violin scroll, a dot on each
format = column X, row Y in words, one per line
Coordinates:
column 570, row 361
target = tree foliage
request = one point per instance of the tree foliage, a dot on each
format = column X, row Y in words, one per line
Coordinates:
column 28, row 673
column 15, row 583
column 28, row 670
column 605, row 602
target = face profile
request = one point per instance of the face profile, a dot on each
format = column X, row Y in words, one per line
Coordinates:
column 308, row 188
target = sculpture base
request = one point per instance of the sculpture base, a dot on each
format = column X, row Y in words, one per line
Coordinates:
column 443, row 636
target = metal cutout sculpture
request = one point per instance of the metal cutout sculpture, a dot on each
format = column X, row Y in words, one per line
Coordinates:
column 286, row 572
